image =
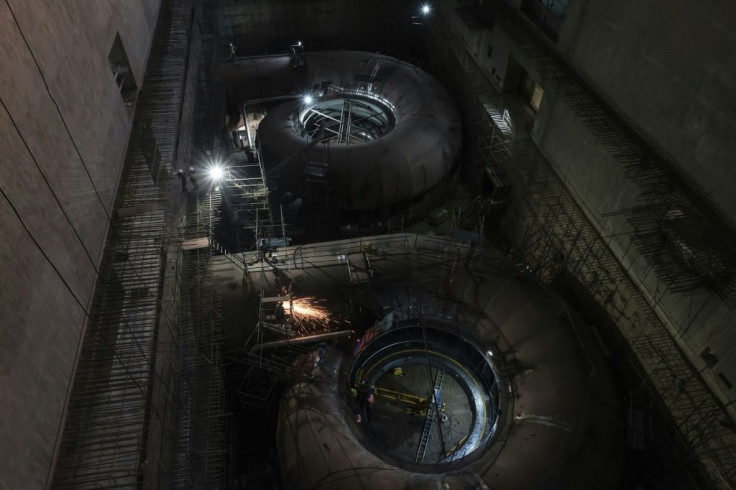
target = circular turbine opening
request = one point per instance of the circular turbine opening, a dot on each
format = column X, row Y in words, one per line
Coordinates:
column 346, row 120
column 423, row 396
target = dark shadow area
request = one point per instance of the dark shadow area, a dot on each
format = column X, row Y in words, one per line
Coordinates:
column 656, row 456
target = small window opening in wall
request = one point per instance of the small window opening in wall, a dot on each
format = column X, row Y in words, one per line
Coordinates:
column 709, row 357
column 725, row 381
column 536, row 100
column 530, row 91
column 121, row 71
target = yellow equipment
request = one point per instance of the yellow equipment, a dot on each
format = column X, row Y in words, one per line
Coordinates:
column 417, row 405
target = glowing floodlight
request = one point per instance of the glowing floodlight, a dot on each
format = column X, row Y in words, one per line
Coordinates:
column 426, row 9
column 308, row 99
column 216, row 173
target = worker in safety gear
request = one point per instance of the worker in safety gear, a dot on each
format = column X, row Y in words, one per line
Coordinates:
column 233, row 49
column 279, row 312
column 193, row 178
column 183, row 179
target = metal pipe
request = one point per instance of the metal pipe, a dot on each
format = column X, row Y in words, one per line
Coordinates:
column 301, row 340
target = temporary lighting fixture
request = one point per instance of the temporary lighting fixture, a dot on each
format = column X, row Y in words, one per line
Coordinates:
column 426, row 9
column 216, row 172
column 298, row 43
column 308, row 99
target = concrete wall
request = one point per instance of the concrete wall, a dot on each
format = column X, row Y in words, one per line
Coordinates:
column 599, row 185
column 590, row 172
column 664, row 64
column 63, row 133
column 669, row 65
column 258, row 26
column 482, row 43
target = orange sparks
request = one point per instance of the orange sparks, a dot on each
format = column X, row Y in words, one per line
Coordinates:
column 308, row 314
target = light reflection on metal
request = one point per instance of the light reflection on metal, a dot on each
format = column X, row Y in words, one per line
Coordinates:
column 346, row 119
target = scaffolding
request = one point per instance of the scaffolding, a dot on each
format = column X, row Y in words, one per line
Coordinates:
column 432, row 410
column 317, row 188
column 699, row 261
column 316, row 174
column 274, row 314
column 248, row 204
column 247, row 194
column 551, row 233
column 142, row 411
column 104, row 440
column 200, row 454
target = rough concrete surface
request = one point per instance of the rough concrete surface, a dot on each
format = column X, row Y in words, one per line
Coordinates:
column 63, row 133
column 670, row 67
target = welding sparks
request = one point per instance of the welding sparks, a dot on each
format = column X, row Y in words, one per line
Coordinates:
column 308, row 315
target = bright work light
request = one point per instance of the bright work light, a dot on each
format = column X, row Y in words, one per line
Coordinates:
column 216, row 173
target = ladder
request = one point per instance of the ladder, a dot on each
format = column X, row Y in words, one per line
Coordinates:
column 431, row 413
column 316, row 182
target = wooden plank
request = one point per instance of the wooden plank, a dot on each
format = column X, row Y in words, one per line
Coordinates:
column 195, row 244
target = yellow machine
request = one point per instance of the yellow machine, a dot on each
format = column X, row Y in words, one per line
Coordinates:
column 416, row 405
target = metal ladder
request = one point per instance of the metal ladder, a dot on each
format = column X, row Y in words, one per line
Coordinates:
column 431, row 413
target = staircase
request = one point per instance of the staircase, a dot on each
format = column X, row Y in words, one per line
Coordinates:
column 318, row 191
column 431, row 414
column 317, row 183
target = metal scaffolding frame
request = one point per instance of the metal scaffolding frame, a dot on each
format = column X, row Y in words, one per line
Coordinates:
column 703, row 257
column 200, row 454
column 488, row 145
column 105, row 436
column 247, row 194
column 353, row 121
column 556, row 234
column 552, row 232
column 141, row 411
column 316, row 172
